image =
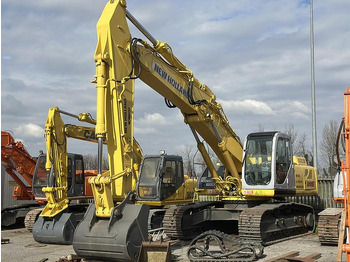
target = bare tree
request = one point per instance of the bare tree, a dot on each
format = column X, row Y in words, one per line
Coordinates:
column 293, row 134
column 91, row 162
column 199, row 161
column 259, row 128
column 328, row 146
column 188, row 153
column 303, row 149
column 299, row 143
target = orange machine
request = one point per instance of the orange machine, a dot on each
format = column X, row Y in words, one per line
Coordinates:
column 345, row 165
column 30, row 175
column 329, row 219
column 14, row 156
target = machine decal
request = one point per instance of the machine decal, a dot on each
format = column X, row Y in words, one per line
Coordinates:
column 129, row 115
column 170, row 80
column 259, row 192
column 89, row 135
column 125, row 116
column 310, row 184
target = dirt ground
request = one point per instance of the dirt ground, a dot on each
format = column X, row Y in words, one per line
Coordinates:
column 22, row 247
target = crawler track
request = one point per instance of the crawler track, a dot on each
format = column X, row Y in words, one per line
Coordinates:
column 155, row 218
column 31, row 217
column 267, row 223
column 172, row 222
column 225, row 248
column 175, row 225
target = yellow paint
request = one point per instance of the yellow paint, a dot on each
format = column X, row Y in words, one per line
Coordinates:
column 305, row 178
column 56, row 134
column 56, row 149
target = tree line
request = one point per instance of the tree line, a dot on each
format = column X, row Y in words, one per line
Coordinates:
column 300, row 144
column 194, row 164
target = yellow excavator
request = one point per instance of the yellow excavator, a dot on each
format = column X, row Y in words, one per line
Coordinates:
column 116, row 224
column 59, row 178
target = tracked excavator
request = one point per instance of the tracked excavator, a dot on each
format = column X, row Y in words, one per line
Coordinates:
column 60, row 179
column 56, row 221
column 24, row 168
column 116, row 224
column 19, row 165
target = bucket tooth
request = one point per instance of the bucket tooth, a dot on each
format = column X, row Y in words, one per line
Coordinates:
column 118, row 238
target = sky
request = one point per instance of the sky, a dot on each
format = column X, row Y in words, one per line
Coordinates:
column 254, row 55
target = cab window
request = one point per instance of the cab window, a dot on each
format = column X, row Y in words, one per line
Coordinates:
column 283, row 159
column 180, row 177
column 148, row 178
column 169, row 179
column 79, row 171
column 258, row 161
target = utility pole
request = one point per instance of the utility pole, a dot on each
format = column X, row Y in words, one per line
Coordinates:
column 313, row 102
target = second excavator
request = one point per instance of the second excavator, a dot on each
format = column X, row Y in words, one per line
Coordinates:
column 114, row 227
column 60, row 179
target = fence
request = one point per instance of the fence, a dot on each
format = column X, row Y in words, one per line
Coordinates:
column 325, row 196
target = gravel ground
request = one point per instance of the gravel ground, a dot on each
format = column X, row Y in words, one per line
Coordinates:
column 22, row 247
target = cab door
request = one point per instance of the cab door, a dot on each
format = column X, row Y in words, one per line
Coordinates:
column 172, row 179
column 75, row 176
column 79, row 178
column 284, row 171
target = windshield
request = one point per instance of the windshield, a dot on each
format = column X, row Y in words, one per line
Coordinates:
column 40, row 177
column 257, row 160
column 148, row 178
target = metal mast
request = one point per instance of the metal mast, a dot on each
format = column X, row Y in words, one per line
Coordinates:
column 313, row 102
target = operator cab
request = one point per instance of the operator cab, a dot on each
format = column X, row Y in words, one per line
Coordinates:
column 205, row 180
column 75, row 179
column 268, row 165
column 160, row 177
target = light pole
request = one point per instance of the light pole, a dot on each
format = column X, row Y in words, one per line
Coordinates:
column 313, row 102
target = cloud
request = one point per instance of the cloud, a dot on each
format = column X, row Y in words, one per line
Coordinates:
column 292, row 110
column 152, row 119
column 149, row 122
column 12, row 106
column 247, row 106
column 254, row 56
column 300, row 106
column 278, row 33
column 299, row 115
column 29, row 131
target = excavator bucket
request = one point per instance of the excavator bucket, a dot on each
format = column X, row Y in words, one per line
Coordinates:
column 158, row 251
column 118, row 238
column 56, row 230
